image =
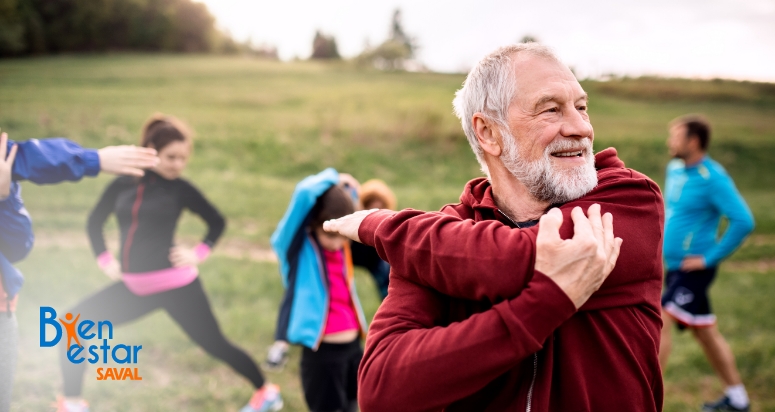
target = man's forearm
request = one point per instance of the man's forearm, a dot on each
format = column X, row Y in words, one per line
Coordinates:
column 459, row 258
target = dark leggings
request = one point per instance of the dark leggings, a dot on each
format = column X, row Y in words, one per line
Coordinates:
column 188, row 306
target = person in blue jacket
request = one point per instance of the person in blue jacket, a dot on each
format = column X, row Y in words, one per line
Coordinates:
column 320, row 310
column 41, row 161
column 698, row 193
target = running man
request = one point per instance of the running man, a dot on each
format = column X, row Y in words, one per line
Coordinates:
column 698, row 192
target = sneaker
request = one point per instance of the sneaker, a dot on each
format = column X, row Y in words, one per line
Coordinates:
column 265, row 399
column 63, row 405
column 722, row 405
column 277, row 356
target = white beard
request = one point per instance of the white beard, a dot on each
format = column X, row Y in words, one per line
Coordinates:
column 542, row 180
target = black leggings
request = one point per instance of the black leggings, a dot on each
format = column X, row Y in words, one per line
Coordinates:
column 188, row 306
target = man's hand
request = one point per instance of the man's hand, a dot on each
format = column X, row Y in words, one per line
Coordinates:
column 6, row 165
column 182, row 256
column 693, row 263
column 347, row 226
column 581, row 264
column 127, row 160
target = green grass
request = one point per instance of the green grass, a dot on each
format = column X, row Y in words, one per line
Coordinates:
column 261, row 126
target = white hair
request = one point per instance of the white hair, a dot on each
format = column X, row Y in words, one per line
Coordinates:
column 490, row 88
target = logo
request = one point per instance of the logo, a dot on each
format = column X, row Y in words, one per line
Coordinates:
column 101, row 351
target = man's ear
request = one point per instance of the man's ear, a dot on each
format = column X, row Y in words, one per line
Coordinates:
column 487, row 133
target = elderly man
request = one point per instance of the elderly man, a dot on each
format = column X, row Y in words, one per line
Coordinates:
column 475, row 320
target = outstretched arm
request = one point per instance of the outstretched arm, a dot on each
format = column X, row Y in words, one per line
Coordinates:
column 54, row 160
column 488, row 260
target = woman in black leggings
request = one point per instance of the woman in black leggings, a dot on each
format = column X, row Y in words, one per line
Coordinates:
column 153, row 273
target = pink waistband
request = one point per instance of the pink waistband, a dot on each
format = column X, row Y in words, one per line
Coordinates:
column 149, row 283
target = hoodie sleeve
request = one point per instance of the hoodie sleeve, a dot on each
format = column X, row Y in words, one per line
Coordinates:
column 488, row 260
column 484, row 260
column 54, row 160
column 412, row 364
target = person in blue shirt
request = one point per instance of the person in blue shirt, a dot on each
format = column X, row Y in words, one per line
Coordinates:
column 41, row 161
column 698, row 193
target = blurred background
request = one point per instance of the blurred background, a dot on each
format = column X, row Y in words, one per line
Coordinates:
column 276, row 92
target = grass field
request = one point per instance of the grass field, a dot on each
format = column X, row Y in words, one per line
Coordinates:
column 261, row 126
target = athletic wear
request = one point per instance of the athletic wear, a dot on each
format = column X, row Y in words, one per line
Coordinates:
column 341, row 315
column 63, row 405
column 157, row 281
column 266, row 399
column 686, row 297
column 277, row 356
column 329, row 376
column 43, row 162
column 147, row 210
column 696, row 197
column 188, row 306
column 302, row 316
column 723, row 404
column 9, row 340
column 470, row 325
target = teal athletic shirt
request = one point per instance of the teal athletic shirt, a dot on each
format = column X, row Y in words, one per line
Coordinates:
column 696, row 198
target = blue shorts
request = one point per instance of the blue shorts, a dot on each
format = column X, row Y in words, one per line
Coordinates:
column 686, row 297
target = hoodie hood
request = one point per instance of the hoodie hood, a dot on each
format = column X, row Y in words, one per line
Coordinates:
column 478, row 192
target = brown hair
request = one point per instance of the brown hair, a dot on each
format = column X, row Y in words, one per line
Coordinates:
column 332, row 204
column 696, row 126
column 160, row 130
column 376, row 189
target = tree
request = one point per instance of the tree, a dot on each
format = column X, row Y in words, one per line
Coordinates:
column 324, row 47
column 393, row 53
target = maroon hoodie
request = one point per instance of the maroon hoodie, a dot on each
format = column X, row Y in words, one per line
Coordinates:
column 468, row 325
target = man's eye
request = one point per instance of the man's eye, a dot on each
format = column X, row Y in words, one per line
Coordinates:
column 582, row 108
column 552, row 110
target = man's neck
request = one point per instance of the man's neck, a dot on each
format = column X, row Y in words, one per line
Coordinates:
column 514, row 199
column 693, row 158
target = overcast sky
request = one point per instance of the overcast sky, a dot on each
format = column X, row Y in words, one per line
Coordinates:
column 687, row 38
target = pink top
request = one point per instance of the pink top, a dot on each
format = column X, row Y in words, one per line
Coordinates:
column 157, row 281
column 341, row 313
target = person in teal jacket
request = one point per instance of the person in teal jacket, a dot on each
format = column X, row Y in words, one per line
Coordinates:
column 320, row 310
column 698, row 193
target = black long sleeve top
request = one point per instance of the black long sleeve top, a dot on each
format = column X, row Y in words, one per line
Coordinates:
column 148, row 210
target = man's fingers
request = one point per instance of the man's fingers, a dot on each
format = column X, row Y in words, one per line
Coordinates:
column 614, row 254
column 608, row 229
column 581, row 226
column 549, row 226
column 12, row 154
column 3, row 145
column 596, row 221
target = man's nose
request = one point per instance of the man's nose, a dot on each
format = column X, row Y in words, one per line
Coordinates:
column 575, row 125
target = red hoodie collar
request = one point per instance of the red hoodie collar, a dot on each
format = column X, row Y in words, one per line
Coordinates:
column 478, row 192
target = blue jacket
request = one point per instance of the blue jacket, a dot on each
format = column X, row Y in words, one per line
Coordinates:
column 302, row 317
column 696, row 197
column 39, row 161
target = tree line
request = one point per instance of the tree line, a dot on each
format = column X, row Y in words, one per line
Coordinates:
column 53, row 26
